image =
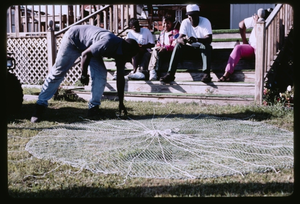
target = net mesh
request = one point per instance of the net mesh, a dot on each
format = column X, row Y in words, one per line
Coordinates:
column 167, row 147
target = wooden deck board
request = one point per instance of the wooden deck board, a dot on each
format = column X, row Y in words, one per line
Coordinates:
column 221, row 88
column 187, row 86
column 218, row 63
column 196, row 75
column 178, row 98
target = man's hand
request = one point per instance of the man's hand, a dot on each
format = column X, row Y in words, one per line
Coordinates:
column 122, row 108
column 255, row 17
column 182, row 39
column 192, row 40
column 85, row 79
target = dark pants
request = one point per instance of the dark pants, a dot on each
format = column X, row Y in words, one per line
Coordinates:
column 182, row 52
column 141, row 60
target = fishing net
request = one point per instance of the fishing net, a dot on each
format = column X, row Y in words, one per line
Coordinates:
column 180, row 147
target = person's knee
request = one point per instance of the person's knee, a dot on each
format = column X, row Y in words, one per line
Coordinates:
column 179, row 46
column 206, row 47
column 155, row 53
column 56, row 74
column 238, row 48
column 179, row 50
column 99, row 81
column 236, row 52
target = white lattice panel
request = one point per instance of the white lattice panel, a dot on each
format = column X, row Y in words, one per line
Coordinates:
column 31, row 57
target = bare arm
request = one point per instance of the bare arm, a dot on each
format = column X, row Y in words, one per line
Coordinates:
column 120, row 64
column 85, row 61
column 182, row 39
column 242, row 28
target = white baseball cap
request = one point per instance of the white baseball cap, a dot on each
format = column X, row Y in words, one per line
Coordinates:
column 192, row 9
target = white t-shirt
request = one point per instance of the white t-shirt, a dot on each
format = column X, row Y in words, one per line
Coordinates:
column 143, row 37
column 250, row 23
column 200, row 31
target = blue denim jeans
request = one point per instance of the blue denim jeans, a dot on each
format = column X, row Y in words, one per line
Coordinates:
column 65, row 59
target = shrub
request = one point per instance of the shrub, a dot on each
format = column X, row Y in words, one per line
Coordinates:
column 275, row 97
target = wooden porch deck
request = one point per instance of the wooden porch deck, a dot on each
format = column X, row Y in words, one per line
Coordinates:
column 187, row 86
column 270, row 33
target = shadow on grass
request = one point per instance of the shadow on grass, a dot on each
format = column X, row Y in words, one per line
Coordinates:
column 73, row 114
column 62, row 114
column 233, row 189
column 243, row 115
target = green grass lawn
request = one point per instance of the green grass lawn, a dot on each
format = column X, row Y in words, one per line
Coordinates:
column 29, row 177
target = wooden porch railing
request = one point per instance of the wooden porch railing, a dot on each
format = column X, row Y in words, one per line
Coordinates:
column 114, row 18
column 33, row 20
column 270, row 36
column 43, row 37
column 111, row 17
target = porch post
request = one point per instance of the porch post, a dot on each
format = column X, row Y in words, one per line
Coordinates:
column 17, row 20
column 51, row 45
column 110, row 13
column 259, row 62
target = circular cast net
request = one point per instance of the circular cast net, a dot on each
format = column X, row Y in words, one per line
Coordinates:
column 167, row 147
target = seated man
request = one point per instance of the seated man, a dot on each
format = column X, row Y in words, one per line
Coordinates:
column 145, row 39
column 195, row 36
column 164, row 46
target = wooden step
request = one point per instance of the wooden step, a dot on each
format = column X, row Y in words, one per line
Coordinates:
column 196, row 75
column 218, row 63
column 187, row 86
column 220, row 88
column 236, row 35
column 212, row 99
column 172, row 97
column 222, row 40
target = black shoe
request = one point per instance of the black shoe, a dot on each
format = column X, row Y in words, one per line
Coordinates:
column 167, row 78
column 38, row 113
column 206, row 78
column 93, row 111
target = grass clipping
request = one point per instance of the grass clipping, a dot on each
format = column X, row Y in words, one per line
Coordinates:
column 180, row 147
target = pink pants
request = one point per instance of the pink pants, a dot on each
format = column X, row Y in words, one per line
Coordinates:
column 238, row 52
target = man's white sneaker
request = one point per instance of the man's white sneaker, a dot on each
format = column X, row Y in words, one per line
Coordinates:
column 136, row 75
